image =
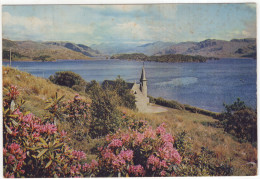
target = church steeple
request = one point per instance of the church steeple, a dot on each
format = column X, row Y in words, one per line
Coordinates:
column 143, row 78
column 143, row 81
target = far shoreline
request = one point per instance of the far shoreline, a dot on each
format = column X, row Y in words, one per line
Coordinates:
column 97, row 58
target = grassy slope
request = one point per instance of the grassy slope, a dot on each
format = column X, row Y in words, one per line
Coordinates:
column 32, row 49
column 36, row 90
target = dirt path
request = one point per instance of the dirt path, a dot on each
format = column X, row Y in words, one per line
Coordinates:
column 152, row 108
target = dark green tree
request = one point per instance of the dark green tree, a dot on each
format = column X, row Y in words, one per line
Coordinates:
column 240, row 121
column 69, row 79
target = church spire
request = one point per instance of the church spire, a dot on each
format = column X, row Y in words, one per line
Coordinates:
column 143, row 78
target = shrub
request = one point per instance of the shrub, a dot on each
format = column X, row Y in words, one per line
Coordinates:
column 144, row 152
column 33, row 147
column 169, row 103
column 67, row 78
column 105, row 115
column 125, row 97
column 240, row 121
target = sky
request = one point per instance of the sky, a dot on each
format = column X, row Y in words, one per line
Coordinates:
column 132, row 24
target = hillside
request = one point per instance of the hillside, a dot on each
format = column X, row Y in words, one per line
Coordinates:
column 30, row 50
column 215, row 48
column 235, row 48
column 198, row 133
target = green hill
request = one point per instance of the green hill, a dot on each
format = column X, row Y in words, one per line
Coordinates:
column 49, row 51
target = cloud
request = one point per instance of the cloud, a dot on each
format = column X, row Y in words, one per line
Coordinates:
column 130, row 30
column 29, row 27
column 30, row 23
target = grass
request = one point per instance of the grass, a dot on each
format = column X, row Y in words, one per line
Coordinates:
column 36, row 91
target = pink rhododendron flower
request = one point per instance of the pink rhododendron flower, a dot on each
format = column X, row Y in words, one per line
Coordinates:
column 153, row 161
column 11, row 159
column 160, row 130
column 127, row 155
column 115, row 143
column 163, row 173
column 149, row 133
column 79, row 155
column 139, row 137
column 136, row 170
column 167, row 138
column 125, row 138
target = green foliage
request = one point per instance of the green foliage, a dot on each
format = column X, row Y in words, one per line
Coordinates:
column 240, row 121
column 201, row 111
column 15, row 55
column 203, row 163
column 162, row 58
column 105, row 115
column 167, row 103
column 176, row 105
column 125, row 97
column 69, row 79
column 44, row 58
column 133, row 56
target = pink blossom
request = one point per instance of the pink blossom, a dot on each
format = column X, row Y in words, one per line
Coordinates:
column 154, row 161
column 48, row 128
column 28, row 118
column 163, row 164
column 17, row 112
column 85, row 167
column 137, row 170
column 36, row 135
column 117, row 164
column 79, row 155
column 160, row 130
column 163, row 173
column 125, row 138
column 167, row 138
column 93, row 164
column 10, row 159
column 14, row 148
column 139, row 138
column 108, row 154
column 115, row 143
column 127, row 155
column 149, row 133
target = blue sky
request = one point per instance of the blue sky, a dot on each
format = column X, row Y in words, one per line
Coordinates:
column 137, row 24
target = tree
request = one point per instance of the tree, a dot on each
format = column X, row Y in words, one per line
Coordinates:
column 69, row 79
column 240, row 121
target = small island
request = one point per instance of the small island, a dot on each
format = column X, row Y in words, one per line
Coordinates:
column 173, row 58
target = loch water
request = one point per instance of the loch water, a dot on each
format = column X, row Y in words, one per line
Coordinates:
column 204, row 85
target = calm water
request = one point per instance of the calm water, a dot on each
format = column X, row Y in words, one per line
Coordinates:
column 205, row 85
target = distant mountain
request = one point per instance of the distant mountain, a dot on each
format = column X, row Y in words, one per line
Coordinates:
column 77, row 48
column 31, row 50
column 116, row 48
column 214, row 48
column 113, row 48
